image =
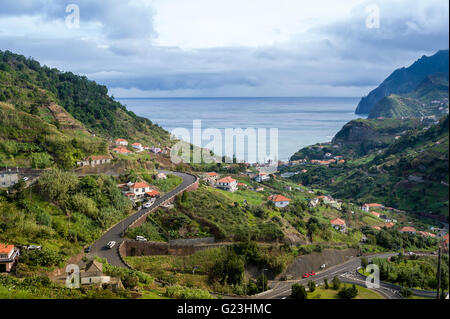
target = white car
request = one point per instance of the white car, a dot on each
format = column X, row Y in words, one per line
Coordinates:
column 141, row 238
column 323, row 266
column 25, row 179
column 147, row 205
column 111, row 244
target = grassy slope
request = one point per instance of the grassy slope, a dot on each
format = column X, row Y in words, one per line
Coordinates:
column 71, row 102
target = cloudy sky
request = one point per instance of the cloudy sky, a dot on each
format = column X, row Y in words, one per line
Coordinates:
column 155, row 48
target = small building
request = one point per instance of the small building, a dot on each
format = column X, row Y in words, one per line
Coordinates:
column 389, row 225
column 242, row 185
column 211, row 176
column 138, row 191
column 375, row 214
column 121, row 150
column 8, row 257
column 314, row 202
column 376, row 227
column 121, row 142
column 339, row 224
column 95, row 160
column 386, row 219
column 8, row 179
column 228, row 184
column 261, row 177
column 408, row 230
column 138, row 147
column 279, row 200
column 426, row 234
column 367, row 207
column 259, row 189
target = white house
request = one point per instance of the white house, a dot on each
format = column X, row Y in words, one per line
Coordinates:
column 367, row 207
column 121, row 142
column 122, row 151
column 228, row 184
column 261, row 177
column 339, row 224
column 8, row 257
column 95, row 160
column 140, row 190
column 8, row 179
column 138, row 147
column 279, row 200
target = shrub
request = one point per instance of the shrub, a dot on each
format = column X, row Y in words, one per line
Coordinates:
column 299, row 292
column 406, row 293
column 348, row 293
column 178, row 292
column 336, row 283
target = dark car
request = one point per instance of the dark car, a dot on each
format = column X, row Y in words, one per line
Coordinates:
column 88, row 249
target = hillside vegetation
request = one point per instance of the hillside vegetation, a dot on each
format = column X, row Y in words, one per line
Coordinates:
column 60, row 116
column 405, row 80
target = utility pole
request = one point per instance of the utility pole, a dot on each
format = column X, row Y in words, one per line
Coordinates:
column 438, row 295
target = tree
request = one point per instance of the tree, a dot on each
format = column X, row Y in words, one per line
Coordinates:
column 299, row 292
column 336, row 283
column 348, row 293
column 56, row 184
column 405, row 292
column 311, row 286
column 325, row 282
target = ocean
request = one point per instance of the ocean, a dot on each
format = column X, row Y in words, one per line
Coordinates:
column 301, row 121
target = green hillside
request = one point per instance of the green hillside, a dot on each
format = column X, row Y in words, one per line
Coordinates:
column 411, row 173
column 405, row 80
column 35, row 89
column 430, row 98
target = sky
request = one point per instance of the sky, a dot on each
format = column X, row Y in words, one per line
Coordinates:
column 218, row 48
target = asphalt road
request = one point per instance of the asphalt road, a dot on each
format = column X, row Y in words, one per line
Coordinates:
column 115, row 233
column 282, row 289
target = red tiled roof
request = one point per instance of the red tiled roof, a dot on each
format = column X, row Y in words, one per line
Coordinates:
column 136, row 144
column 389, row 225
column 376, row 227
column 227, row 179
column 140, row 185
column 130, row 194
column 120, row 140
column 6, row 249
column 337, row 221
column 446, row 239
column 121, row 150
column 408, row 229
column 278, row 198
column 212, row 174
column 153, row 193
column 375, row 214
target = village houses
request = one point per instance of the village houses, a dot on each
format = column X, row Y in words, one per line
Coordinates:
column 408, row 230
column 339, row 224
column 121, row 150
column 8, row 257
column 228, row 184
column 367, row 207
column 121, row 142
column 279, row 200
column 261, row 177
column 138, row 191
column 8, row 179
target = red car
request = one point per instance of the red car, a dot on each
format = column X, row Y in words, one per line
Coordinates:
column 305, row 275
column 312, row 273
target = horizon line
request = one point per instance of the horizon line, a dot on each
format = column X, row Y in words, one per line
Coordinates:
column 236, row 97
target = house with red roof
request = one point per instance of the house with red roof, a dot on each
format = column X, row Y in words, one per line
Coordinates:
column 227, row 183
column 138, row 147
column 339, row 224
column 261, row 177
column 426, row 234
column 376, row 227
column 408, row 230
column 121, row 142
column 375, row 214
column 121, row 150
column 138, row 191
column 389, row 225
column 8, row 257
column 367, row 207
column 279, row 200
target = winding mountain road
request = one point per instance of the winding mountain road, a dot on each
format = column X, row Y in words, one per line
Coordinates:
column 115, row 233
